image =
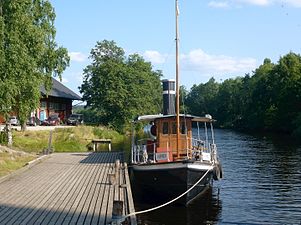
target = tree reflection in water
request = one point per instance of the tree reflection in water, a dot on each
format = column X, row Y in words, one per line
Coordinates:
column 205, row 210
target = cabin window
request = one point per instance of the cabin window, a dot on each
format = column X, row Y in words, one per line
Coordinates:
column 174, row 127
column 165, row 128
column 183, row 128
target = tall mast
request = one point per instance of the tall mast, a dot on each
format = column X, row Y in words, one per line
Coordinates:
column 177, row 80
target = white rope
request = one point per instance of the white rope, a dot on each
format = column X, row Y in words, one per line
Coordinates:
column 171, row 201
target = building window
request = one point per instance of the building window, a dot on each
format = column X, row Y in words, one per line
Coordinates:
column 62, row 106
column 57, row 106
column 43, row 105
column 51, row 105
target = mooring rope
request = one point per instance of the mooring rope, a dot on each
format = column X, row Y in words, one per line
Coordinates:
column 171, row 201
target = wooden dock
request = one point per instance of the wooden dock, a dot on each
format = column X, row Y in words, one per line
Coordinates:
column 67, row 188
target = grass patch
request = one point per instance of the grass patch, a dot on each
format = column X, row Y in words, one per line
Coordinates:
column 73, row 139
column 10, row 162
column 30, row 141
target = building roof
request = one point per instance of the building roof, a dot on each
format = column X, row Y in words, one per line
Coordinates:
column 60, row 90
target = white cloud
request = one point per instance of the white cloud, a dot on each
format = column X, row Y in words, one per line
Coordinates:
column 77, row 56
column 199, row 61
column 256, row 2
column 295, row 3
column 216, row 4
column 239, row 3
column 154, row 57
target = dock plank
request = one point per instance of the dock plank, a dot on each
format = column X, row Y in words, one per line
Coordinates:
column 69, row 183
column 64, row 195
column 97, row 218
column 29, row 196
column 67, row 188
column 30, row 218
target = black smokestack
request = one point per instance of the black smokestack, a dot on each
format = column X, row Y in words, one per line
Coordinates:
column 169, row 96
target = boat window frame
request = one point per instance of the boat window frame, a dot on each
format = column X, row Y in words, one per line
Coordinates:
column 165, row 128
column 173, row 125
column 183, row 128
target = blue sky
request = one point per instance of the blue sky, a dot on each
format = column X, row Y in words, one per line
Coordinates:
column 220, row 39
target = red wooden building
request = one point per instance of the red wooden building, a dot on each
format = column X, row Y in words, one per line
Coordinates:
column 58, row 101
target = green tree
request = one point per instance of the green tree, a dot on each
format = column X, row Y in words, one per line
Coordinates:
column 120, row 87
column 261, row 93
column 267, row 100
column 29, row 54
column 183, row 97
column 201, row 98
column 286, row 81
column 228, row 103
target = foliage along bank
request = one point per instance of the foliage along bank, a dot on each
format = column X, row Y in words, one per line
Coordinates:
column 269, row 99
column 73, row 139
column 118, row 88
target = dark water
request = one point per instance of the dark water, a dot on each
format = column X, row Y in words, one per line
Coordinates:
column 261, row 185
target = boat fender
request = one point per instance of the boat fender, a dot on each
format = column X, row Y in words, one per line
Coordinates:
column 217, row 172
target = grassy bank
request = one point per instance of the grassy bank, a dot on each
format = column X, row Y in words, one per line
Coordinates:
column 11, row 161
column 27, row 145
column 73, row 139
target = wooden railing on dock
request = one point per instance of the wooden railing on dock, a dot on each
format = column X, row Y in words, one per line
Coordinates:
column 67, row 188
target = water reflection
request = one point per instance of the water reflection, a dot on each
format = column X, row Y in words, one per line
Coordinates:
column 262, row 178
column 261, row 185
column 205, row 210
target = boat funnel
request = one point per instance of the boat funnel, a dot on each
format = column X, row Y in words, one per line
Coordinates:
column 169, row 96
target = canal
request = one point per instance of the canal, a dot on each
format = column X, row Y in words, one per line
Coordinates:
column 261, row 185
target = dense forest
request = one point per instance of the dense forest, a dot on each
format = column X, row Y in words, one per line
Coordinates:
column 268, row 99
column 118, row 88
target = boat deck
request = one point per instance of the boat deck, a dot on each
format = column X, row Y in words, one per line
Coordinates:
column 67, row 188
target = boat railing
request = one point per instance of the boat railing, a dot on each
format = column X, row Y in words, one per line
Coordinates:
column 203, row 150
column 144, row 151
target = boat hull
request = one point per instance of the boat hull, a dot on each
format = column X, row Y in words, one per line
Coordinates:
column 166, row 181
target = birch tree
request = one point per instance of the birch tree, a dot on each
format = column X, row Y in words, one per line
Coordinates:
column 29, row 54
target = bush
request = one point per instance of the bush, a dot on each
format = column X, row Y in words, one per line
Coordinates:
column 3, row 137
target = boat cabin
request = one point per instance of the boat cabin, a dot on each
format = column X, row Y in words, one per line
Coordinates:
column 166, row 140
column 159, row 143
